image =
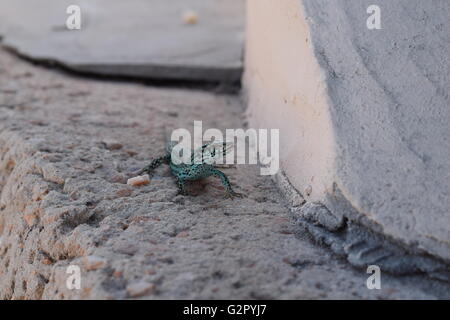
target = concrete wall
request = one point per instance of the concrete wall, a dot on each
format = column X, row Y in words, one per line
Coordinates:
column 363, row 113
column 286, row 91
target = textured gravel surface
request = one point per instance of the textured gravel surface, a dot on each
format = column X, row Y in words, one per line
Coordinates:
column 66, row 147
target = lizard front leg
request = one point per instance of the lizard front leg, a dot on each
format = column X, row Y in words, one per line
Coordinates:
column 226, row 183
column 181, row 186
column 155, row 164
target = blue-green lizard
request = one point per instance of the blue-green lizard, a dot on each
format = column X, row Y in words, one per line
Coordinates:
column 198, row 168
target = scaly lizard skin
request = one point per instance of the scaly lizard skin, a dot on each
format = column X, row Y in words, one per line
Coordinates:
column 190, row 172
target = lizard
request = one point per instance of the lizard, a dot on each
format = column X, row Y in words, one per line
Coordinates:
column 200, row 166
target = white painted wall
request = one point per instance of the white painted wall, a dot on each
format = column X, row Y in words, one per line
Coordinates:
column 285, row 90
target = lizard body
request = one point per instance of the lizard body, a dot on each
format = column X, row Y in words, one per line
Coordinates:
column 193, row 171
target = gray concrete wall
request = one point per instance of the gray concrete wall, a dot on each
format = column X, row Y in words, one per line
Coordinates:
column 363, row 113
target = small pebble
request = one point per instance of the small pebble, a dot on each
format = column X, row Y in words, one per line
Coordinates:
column 117, row 274
column 139, row 180
column 112, row 144
column 93, row 262
column 131, row 153
column 183, row 234
column 126, row 248
column 190, row 17
column 140, row 289
column 123, row 193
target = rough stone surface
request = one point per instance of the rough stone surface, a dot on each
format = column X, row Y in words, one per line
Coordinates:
column 155, row 43
column 150, row 243
column 373, row 114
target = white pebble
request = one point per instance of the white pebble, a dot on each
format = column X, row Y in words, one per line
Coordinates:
column 190, row 17
column 139, row 180
column 140, row 289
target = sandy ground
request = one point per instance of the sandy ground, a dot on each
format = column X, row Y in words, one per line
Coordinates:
column 66, row 147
